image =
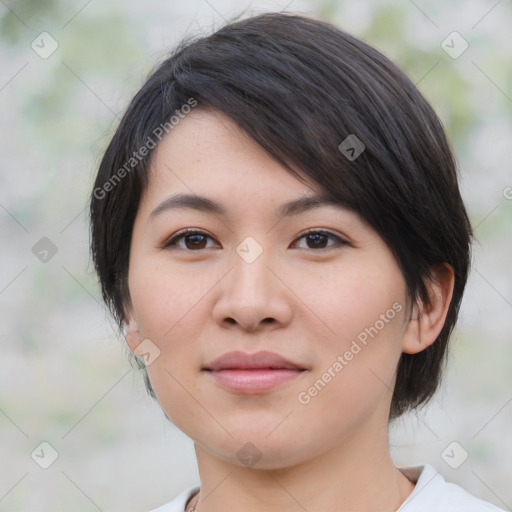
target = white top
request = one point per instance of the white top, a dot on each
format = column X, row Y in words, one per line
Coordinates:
column 432, row 493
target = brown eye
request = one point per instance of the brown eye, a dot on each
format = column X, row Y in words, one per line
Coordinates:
column 319, row 239
column 193, row 240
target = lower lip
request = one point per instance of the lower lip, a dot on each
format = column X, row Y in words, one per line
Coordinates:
column 253, row 381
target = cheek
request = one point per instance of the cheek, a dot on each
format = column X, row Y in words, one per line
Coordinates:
column 354, row 298
column 363, row 308
column 165, row 299
column 171, row 311
column 353, row 382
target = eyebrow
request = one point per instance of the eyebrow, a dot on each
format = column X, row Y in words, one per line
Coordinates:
column 205, row 204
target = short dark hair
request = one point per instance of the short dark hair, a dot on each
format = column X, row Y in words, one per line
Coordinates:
column 299, row 87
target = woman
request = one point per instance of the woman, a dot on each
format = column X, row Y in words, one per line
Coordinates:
column 279, row 234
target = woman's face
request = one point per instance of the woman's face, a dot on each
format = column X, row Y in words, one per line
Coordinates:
column 332, row 303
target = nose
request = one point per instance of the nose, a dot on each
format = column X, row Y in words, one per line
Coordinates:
column 253, row 296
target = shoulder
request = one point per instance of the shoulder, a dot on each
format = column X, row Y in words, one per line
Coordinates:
column 178, row 503
column 432, row 493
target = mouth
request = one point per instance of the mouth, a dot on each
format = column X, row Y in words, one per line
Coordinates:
column 253, row 381
column 252, row 373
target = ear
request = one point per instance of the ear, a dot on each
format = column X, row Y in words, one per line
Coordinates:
column 132, row 330
column 427, row 320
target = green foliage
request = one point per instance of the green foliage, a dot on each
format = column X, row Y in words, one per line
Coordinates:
column 23, row 15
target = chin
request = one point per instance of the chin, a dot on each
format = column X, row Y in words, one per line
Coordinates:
column 258, row 450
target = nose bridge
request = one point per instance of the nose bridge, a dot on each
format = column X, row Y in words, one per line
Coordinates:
column 251, row 293
column 251, row 276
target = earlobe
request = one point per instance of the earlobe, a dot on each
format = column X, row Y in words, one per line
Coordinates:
column 132, row 332
column 133, row 339
column 427, row 320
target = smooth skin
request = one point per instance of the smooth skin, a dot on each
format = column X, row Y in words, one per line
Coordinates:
column 303, row 297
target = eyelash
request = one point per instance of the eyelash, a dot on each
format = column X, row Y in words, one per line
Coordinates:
column 171, row 242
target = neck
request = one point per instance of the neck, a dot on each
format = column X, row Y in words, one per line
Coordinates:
column 356, row 475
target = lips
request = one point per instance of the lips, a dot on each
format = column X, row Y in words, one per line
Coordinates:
column 252, row 373
column 260, row 360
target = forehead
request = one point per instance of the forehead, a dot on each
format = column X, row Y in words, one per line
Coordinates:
column 207, row 154
column 207, row 163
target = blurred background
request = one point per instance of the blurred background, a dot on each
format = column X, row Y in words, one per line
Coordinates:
column 68, row 70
